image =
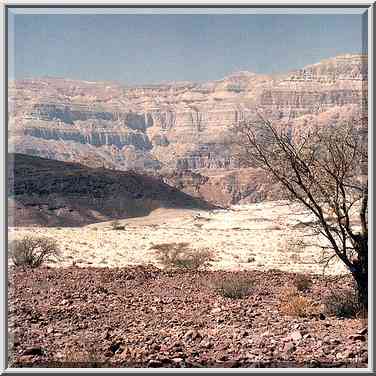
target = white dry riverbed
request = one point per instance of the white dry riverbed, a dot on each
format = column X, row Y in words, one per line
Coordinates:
column 256, row 236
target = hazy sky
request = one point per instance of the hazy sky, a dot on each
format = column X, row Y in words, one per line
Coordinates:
column 136, row 49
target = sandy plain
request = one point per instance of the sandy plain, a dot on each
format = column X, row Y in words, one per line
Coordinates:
column 259, row 236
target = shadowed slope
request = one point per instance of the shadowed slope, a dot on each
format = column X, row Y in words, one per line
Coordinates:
column 54, row 193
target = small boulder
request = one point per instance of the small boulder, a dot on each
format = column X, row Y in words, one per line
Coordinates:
column 215, row 310
column 115, row 347
column 363, row 331
column 35, row 350
column 296, row 335
column 314, row 363
column 357, row 337
column 154, row 363
column 289, row 348
column 177, row 360
column 206, row 344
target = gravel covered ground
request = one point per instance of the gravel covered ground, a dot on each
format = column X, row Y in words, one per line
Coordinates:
column 144, row 317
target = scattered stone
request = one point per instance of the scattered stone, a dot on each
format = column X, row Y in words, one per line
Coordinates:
column 192, row 334
column 177, row 360
column 37, row 350
column 314, row 363
column 289, row 348
column 363, row 331
column 25, row 359
column 114, row 347
column 154, row 363
column 296, row 335
column 357, row 337
column 345, row 355
column 334, row 341
column 206, row 344
column 216, row 310
column 122, row 329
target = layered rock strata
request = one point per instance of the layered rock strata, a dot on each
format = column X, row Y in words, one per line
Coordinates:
column 180, row 127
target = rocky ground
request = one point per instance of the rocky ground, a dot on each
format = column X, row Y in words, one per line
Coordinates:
column 143, row 317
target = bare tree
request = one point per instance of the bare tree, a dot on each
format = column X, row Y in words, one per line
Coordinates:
column 325, row 169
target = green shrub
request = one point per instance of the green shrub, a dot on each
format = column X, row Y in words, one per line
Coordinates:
column 33, row 251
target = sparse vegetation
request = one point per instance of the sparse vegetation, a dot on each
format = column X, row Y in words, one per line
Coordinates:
column 233, row 287
column 294, row 304
column 116, row 225
column 302, row 282
column 299, row 306
column 33, row 251
column 325, row 170
column 181, row 256
column 341, row 303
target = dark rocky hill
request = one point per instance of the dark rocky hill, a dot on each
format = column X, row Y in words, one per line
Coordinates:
column 55, row 193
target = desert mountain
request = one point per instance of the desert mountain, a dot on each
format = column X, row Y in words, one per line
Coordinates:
column 179, row 130
column 56, row 193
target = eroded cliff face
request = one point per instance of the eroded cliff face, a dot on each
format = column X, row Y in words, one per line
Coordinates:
column 181, row 129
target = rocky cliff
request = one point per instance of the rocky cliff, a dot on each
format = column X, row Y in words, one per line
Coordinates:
column 181, row 128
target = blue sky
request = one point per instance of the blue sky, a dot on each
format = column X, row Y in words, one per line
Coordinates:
column 138, row 49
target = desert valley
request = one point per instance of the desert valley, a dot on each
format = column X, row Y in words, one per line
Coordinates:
column 118, row 176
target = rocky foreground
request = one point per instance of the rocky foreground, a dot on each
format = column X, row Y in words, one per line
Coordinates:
column 145, row 317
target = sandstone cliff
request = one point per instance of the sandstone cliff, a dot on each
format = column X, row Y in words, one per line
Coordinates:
column 178, row 128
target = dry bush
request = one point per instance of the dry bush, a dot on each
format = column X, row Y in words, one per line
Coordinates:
column 33, row 251
column 341, row 303
column 116, row 225
column 293, row 304
column 302, row 282
column 233, row 287
column 299, row 306
column 288, row 292
column 181, row 256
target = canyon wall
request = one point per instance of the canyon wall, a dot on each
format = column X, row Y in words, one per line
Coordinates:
column 180, row 131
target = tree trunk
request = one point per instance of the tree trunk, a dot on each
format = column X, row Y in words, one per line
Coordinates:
column 360, row 272
column 361, row 280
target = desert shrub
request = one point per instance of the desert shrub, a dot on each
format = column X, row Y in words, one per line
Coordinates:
column 233, row 287
column 302, row 282
column 288, row 292
column 293, row 304
column 275, row 270
column 181, row 256
column 299, row 306
column 33, row 251
column 341, row 303
column 116, row 225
